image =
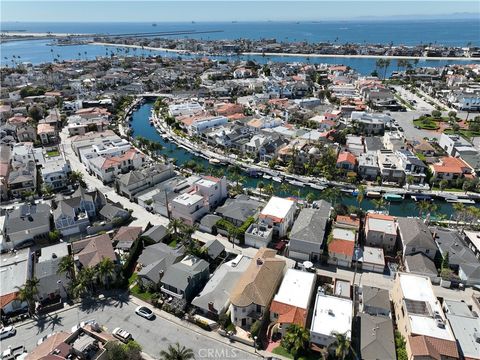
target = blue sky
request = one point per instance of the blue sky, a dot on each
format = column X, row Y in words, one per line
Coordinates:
column 175, row 11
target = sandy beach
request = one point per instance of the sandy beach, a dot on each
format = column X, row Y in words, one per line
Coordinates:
column 294, row 55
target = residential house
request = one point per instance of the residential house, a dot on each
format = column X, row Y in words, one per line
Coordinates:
column 372, row 259
column 15, row 269
column 55, row 172
column 391, row 169
column 135, row 181
column 258, row 235
column 346, row 161
column 73, row 215
column 461, row 258
column 214, row 190
column 416, row 237
column 239, row 209
column 455, row 145
column 126, row 236
column 251, row 296
column 472, row 239
column 381, row 231
column 278, row 214
column 308, row 233
column 156, row 233
column 412, row 166
column 420, row 319
column 331, row 314
column 375, row 301
column 421, row 264
column 291, row 303
column 368, row 168
column 154, row 262
column 51, row 283
column 22, row 180
column 214, row 299
column 27, row 225
column 370, row 124
column 90, row 251
column 189, row 207
column 107, row 169
column 47, row 133
column 376, row 337
column 184, row 279
column 465, row 327
column 451, row 168
column 341, row 247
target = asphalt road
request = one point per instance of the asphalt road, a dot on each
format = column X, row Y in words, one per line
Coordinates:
column 153, row 335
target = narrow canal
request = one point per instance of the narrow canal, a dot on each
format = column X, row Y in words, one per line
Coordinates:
column 141, row 127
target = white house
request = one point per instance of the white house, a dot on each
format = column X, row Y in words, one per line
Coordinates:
column 189, row 207
column 55, row 172
column 279, row 214
column 199, row 126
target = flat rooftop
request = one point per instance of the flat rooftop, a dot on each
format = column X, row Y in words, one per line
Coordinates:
column 373, row 255
column 295, row 288
column 332, row 314
column 343, row 234
column 381, row 224
column 13, row 271
column 277, row 207
column 421, row 305
column 206, row 183
column 188, row 199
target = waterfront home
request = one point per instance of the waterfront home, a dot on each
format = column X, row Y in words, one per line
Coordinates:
column 341, row 247
column 55, row 172
column 455, row 145
column 347, row 222
column 420, row 319
column 154, row 261
column 412, row 166
column 451, row 168
column 331, row 314
column 184, row 279
column 27, row 225
column 213, row 189
column 308, row 233
column 291, row 304
column 346, row 161
column 368, row 168
column 73, row 215
column 89, row 252
column 416, row 237
column 465, row 327
column 135, row 181
column 391, row 169
column 15, row 269
column 376, row 337
column 461, row 258
column 239, row 209
column 381, row 231
column 52, row 283
column 278, row 214
column 214, row 299
column 254, row 291
column 200, row 125
column 375, row 301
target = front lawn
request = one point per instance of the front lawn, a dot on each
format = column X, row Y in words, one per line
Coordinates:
column 279, row 350
column 173, row 243
column 143, row 295
column 132, row 279
column 467, row 134
column 53, row 153
column 426, row 123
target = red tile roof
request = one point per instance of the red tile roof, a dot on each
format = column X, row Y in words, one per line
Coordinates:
column 289, row 314
column 343, row 247
column 450, row 164
column 346, row 157
column 433, row 348
column 7, row 299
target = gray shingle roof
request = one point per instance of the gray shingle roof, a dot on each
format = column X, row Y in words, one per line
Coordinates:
column 240, row 208
column 421, row 264
column 27, row 217
column 415, row 233
column 214, row 248
column 375, row 297
column 376, row 338
column 156, row 233
column 179, row 273
column 158, row 251
column 309, row 226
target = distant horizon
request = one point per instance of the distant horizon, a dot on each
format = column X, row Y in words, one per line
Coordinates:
column 233, row 11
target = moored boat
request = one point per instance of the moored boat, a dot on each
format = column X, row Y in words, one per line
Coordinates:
column 374, row 195
column 393, row 197
column 214, row 161
column 296, row 183
column 266, row 176
column 277, row 179
column 317, row 187
column 421, row 197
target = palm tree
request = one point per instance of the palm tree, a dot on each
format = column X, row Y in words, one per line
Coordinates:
column 260, row 186
column 379, row 203
column 296, row 340
column 28, row 293
column 269, row 189
column 423, row 207
column 410, row 179
column 331, row 195
column 459, row 210
column 360, row 195
column 176, row 352
column 342, row 345
column 106, row 270
column 174, row 227
column 310, row 197
column 67, row 266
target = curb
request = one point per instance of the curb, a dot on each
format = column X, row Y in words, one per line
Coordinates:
column 31, row 321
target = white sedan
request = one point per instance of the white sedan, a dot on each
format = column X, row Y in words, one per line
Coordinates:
column 122, row 335
column 7, row 331
column 145, row 312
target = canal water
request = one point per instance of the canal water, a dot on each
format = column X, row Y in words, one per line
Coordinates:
column 141, row 127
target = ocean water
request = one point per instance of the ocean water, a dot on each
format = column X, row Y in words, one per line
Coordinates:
column 449, row 32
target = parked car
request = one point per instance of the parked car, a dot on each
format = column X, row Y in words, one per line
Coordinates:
column 145, row 312
column 7, row 331
column 122, row 335
column 13, row 352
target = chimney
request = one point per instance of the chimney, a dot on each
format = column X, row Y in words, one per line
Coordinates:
column 211, row 308
column 160, row 274
column 259, row 261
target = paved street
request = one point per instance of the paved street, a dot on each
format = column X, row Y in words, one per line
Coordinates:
column 143, row 217
column 420, row 105
column 405, row 121
column 153, row 336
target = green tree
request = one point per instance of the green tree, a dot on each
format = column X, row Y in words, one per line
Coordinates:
column 341, row 345
column 379, row 203
column 310, row 197
column 54, row 235
column 28, row 293
column 176, row 352
column 67, row 266
column 361, row 191
column 331, row 195
column 174, row 228
column 129, row 351
column 269, row 189
column 446, row 261
column 261, row 186
column 296, row 340
column 423, row 207
column 400, row 346
column 76, row 177
column 106, row 270
column 443, row 184
column 436, row 114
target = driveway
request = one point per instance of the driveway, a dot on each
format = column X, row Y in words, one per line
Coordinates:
column 153, row 336
column 142, row 216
